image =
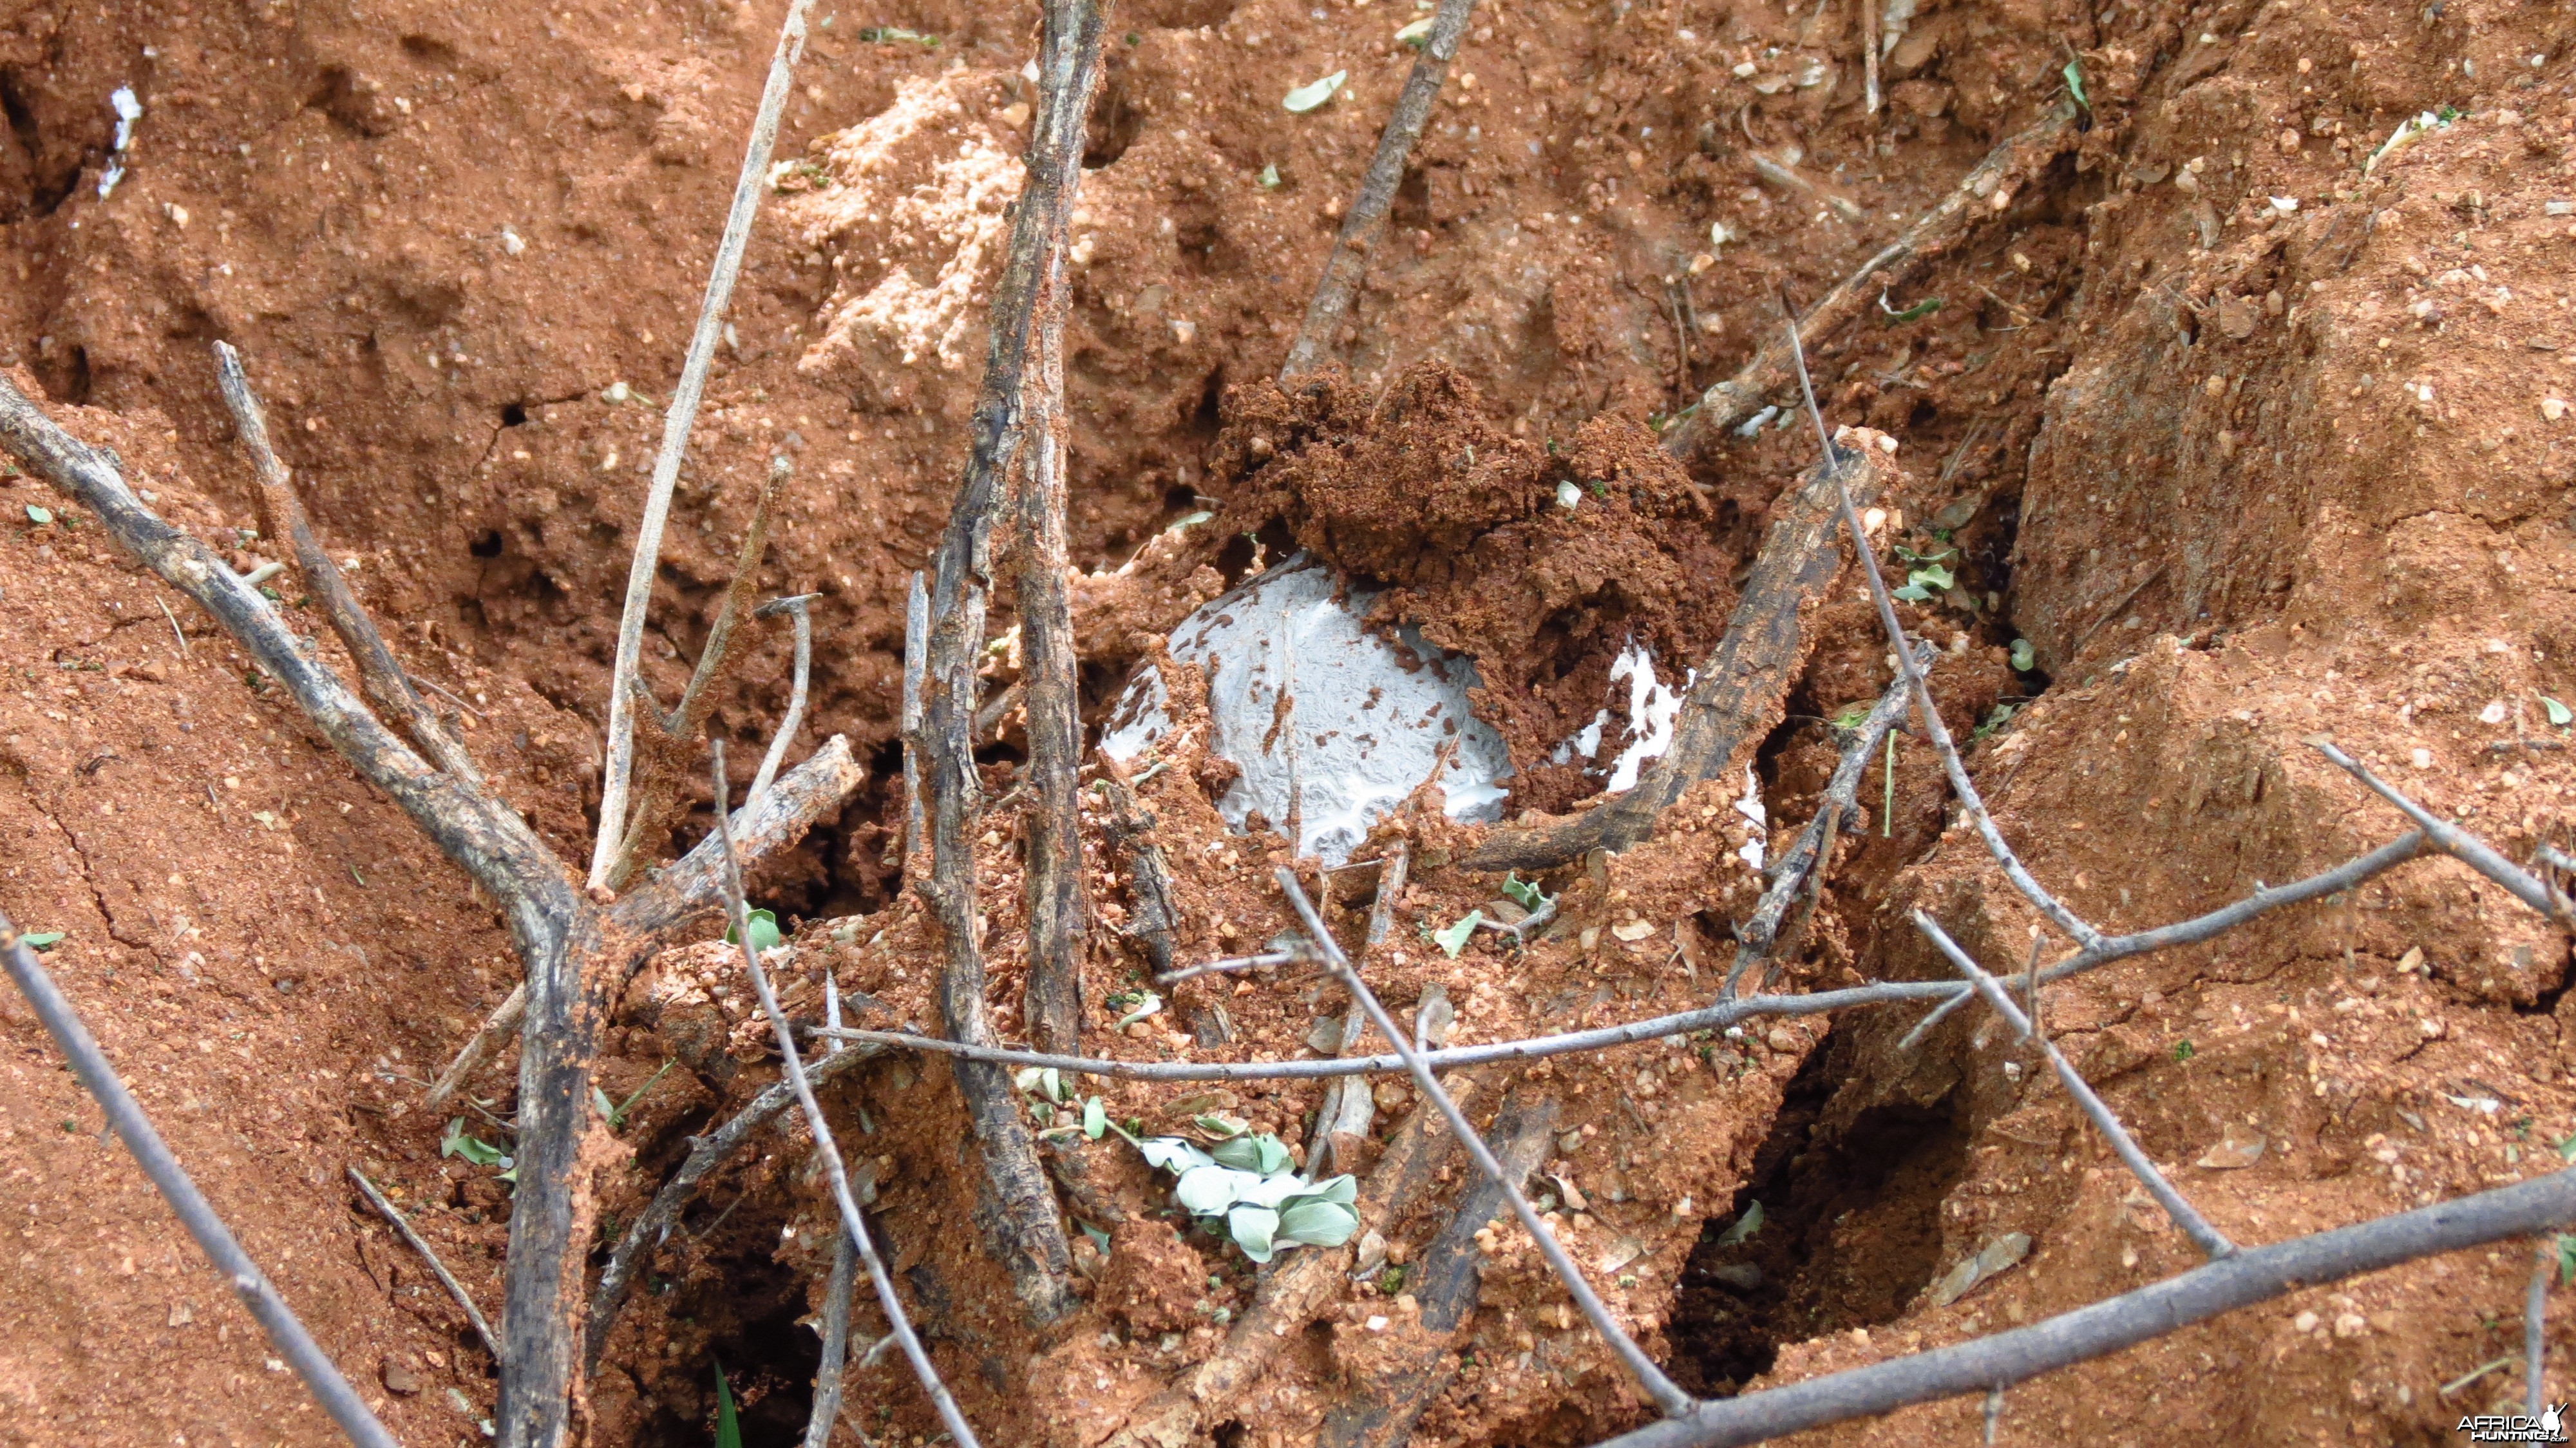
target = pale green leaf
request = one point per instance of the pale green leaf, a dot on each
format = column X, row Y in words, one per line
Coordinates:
column 1208, row 1190
column 42, row 939
column 1306, row 97
column 1095, row 1118
column 1417, row 35
column 1318, row 1223
column 1745, row 1226
column 1454, row 939
column 1173, row 1154
column 2558, row 713
column 39, row 516
column 1250, row 1227
column 1524, row 893
column 1270, row 177
column 2024, row 657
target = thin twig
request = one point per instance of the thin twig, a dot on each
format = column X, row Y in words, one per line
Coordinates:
column 1658, row 1387
column 2208, row 1238
column 1348, row 1109
column 2535, row 1312
column 2257, row 1274
column 175, row 631
column 1870, row 96
column 836, row 1288
column 1366, row 219
column 1267, row 960
column 676, row 422
column 1970, row 802
column 916, row 644
column 438, row 1269
column 794, row 607
column 98, row 1076
column 851, row 1222
column 2458, row 843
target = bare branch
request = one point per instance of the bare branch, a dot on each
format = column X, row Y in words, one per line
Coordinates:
column 2256, row 1274
column 1985, row 190
column 787, row 727
column 2535, row 1313
column 1742, row 688
column 652, row 1226
column 98, row 1076
column 2458, row 843
column 836, row 1288
column 851, row 1222
column 2208, row 1238
column 1344, row 1116
column 379, row 674
column 1658, row 1387
column 676, row 423
column 1267, row 960
column 916, row 645
column 1366, row 220
column 438, row 1269
column 1050, row 678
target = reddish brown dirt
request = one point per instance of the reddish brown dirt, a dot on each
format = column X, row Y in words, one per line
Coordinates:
column 2239, row 474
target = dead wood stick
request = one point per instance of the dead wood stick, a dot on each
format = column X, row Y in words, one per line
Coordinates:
column 1052, row 1005
column 380, row 676
column 2535, row 1313
column 1758, row 939
column 1660, row 1389
column 1971, row 803
column 438, row 1269
column 1149, row 878
column 1395, row 1387
column 2209, row 1239
column 98, row 1076
column 916, row 644
column 1366, row 220
column 795, row 804
column 2257, row 1274
column 836, row 1287
column 671, row 740
column 856, row 1226
column 749, row 184
column 1267, row 960
column 2458, row 843
column 795, row 608
column 1741, row 690
column 1348, row 1109
column 1025, row 1230
column 1730, row 402
column 652, row 1226
column 1869, row 56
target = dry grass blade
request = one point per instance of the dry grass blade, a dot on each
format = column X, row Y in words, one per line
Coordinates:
column 2256, row 1274
column 1658, row 1388
column 98, row 1077
column 676, row 423
column 1366, row 220
column 2204, row 1236
column 854, row 1225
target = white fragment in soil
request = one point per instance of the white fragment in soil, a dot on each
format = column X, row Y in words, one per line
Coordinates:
column 2493, row 713
column 1370, row 713
column 128, row 111
column 1568, row 495
column 2285, row 204
column 1753, row 425
column 511, row 241
column 1750, row 806
column 1652, row 708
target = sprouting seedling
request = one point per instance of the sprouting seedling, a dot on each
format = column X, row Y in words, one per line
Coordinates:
column 1248, row 1184
column 2024, row 657
column 616, row 1114
column 1307, row 97
column 1417, row 34
column 1851, row 716
column 1454, row 939
column 2074, row 73
column 2558, row 713
column 1915, row 313
column 476, row 1151
column 1524, row 893
column 41, row 940
column 728, row 1426
column 765, row 936
column 1921, row 583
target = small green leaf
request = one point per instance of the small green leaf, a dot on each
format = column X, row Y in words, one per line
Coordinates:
column 1095, row 1118
column 1318, row 1223
column 2558, row 713
column 2184, row 1051
column 1524, row 893
column 1147, row 1003
column 2024, row 657
column 728, row 1426
column 1218, row 1126
column 1744, row 1228
column 1270, row 177
column 1417, row 35
column 1251, row 1229
column 39, row 516
column 607, row 1108
column 1209, row 1190
column 2074, row 74
column 42, row 939
column 2566, row 1259
column 764, row 933
column 1307, row 97
column 1454, row 939
column 1915, row 313
column 458, row 1142
column 1851, row 716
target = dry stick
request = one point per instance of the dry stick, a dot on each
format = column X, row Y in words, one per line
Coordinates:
column 2535, row 1308
column 1025, row 1228
column 1268, row 960
column 671, row 742
column 793, row 606
column 2208, row 1238
column 1149, row 878
column 1398, row 1382
column 1970, row 802
column 379, row 674
column 1869, row 68
column 653, row 1225
column 676, row 423
column 1348, row 1109
column 739, row 911
column 1051, row 683
column 2254, row 1275
column 2458, row 843
column 1657, row 1387
column 916, row 644
column 91, row 1066
column 1366, row 219
column 1759, row 938
column 1730, row 402
column 438, row 1269
column 1742, row 688
column 836, row 1288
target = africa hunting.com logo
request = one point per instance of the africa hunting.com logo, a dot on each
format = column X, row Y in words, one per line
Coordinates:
column 2549, row 1427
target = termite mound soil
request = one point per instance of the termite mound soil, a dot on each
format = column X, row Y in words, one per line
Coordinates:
column 2237, row 471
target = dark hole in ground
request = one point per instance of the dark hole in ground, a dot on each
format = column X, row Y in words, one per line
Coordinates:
column 1850, row 1232
column 487, row 546
column 514, row 415
column 743, row 1317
